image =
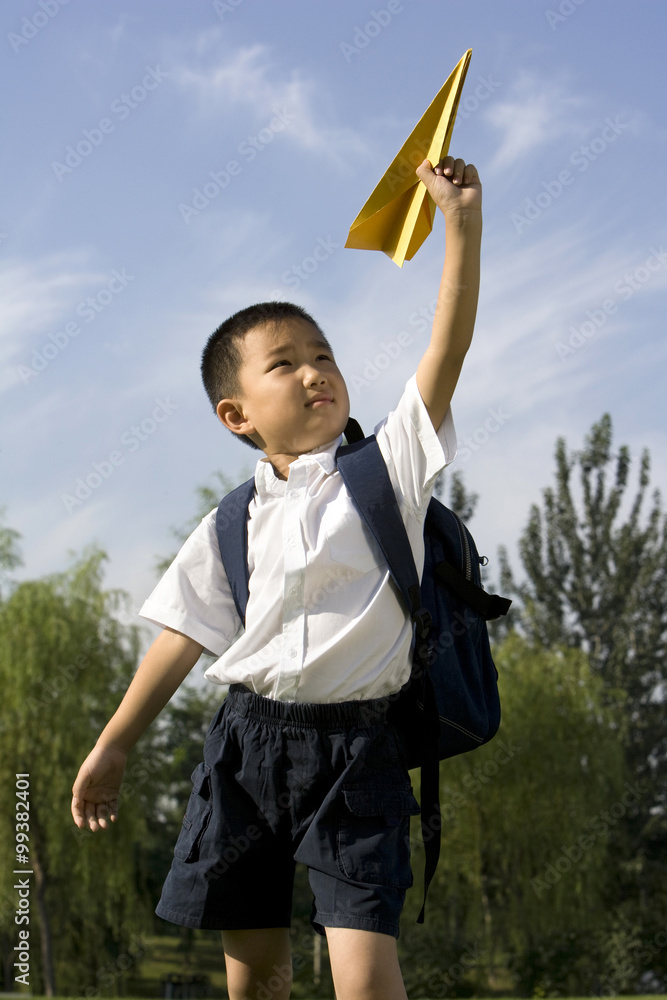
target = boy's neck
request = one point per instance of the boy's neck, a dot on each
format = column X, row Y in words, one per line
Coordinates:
column 281, row 461
column 281, row 464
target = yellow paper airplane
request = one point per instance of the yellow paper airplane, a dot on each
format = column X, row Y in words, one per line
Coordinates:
column 398, row 216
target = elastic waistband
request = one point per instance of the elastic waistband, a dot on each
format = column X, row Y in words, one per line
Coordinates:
column 337, row 715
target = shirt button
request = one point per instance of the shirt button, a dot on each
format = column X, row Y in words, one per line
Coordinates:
column 292, row 653
column 294, row 495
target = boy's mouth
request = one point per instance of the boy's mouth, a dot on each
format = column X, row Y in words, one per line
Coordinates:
column 322, row 399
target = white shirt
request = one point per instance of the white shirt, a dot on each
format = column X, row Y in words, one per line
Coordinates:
column 324, row 622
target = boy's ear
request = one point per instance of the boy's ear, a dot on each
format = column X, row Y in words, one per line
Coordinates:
column 231, row 416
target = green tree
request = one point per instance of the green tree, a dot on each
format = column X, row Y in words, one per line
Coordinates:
column 65, row 662
column 10, row 556
column 450, row 490
column 524, row 848
column 594, row 560
column 208, row 497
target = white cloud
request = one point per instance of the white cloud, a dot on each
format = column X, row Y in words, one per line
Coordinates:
column 118, row 31
column 534, row 113
column 248, row 78
column 534, row 295
column 35, row 296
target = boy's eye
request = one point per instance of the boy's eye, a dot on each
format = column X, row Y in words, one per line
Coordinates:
column 284, row 361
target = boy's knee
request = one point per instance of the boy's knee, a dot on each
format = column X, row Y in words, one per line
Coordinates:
column 258, row 963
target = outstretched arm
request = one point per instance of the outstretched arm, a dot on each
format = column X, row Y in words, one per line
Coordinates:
column 456, row 190
column 96, row 790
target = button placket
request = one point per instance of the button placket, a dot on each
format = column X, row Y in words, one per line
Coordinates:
column 291, row 661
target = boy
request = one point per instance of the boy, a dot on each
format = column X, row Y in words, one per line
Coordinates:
column 299, row 762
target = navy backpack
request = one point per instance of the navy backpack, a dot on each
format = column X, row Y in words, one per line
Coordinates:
column 450, row 703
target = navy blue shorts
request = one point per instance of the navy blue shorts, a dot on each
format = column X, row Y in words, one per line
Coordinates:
column 281, row 782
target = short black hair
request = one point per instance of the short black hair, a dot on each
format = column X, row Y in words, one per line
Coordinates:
column 221, row 358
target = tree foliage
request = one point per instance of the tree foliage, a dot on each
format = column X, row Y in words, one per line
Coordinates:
column 596, row 572
column 594, row 560
column 65, row 662
column 450, row 490
column 208, row 497
column 512, row 872
column 10, row 556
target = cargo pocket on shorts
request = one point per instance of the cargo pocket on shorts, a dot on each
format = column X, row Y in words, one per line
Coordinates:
column 197, row 815
column 374, row 835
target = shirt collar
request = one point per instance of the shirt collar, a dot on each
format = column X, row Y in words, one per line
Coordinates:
column 267, row 482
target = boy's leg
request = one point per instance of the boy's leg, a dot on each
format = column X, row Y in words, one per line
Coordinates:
column 259, row 964
column 364, row 965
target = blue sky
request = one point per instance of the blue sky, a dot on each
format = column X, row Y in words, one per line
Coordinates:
column 283, row 116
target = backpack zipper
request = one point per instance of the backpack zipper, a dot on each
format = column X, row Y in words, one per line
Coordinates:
column 465, row 548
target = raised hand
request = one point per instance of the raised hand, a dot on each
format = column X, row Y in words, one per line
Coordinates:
column 453, row 184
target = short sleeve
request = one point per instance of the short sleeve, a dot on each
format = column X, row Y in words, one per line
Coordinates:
column 414, row 451
column 194, row 596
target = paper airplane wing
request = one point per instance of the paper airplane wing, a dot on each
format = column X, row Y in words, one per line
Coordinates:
column 398, row 216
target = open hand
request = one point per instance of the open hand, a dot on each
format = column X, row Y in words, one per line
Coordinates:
column 96, row 790
column 453, row 184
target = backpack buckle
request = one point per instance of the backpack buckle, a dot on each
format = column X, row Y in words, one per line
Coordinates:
column 423, row 622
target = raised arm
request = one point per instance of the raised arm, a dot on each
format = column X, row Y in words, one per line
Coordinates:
column 456, row 190
column 165, row 666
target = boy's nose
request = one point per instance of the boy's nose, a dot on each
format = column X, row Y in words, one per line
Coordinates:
column 314, row 377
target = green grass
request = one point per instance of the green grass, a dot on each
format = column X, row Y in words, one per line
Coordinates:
column 201, row 953
column 171, row 954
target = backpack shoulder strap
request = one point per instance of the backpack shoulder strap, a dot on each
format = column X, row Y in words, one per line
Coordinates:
column 365, row 474
column 231, row 526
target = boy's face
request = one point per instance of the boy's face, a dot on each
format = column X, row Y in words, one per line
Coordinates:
column 293, row 397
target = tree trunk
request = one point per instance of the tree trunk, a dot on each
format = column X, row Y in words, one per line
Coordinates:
column 46, row 946
column 317, row 959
